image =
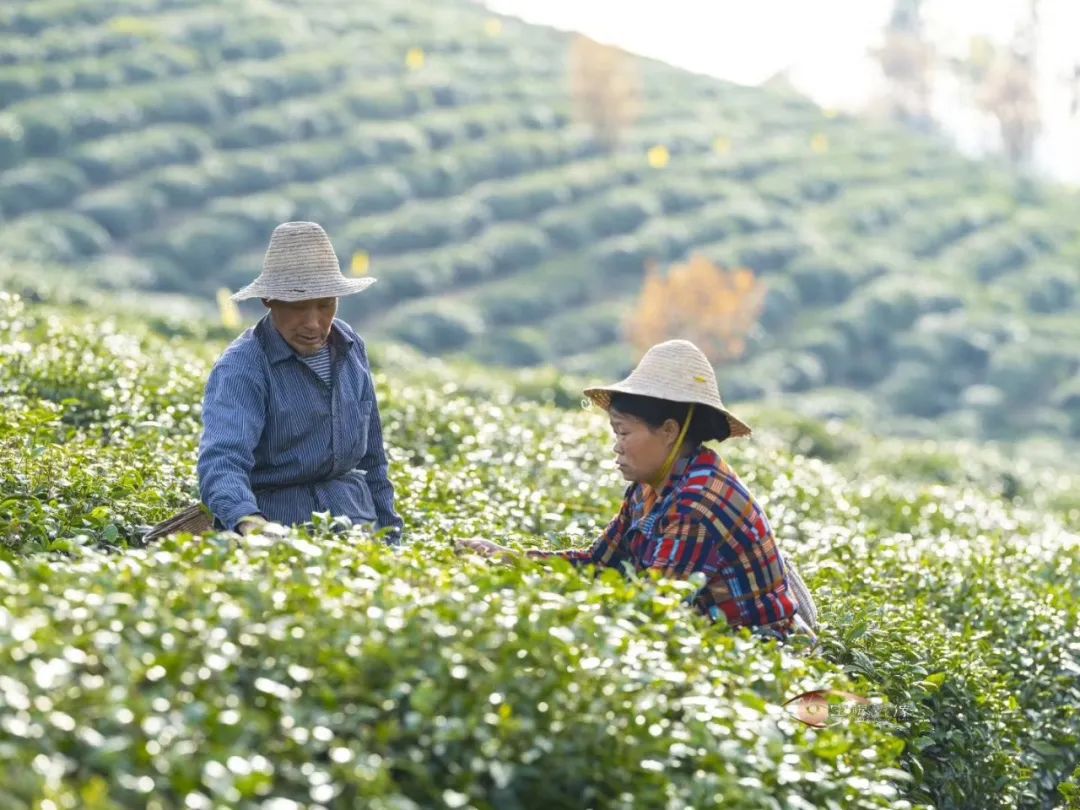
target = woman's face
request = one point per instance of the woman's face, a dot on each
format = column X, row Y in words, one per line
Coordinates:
column 640, row 449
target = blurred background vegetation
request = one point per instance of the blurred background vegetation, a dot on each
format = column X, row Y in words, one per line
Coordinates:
column 530, row 197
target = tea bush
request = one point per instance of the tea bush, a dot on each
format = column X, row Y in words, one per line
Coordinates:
column 45, row 185
column 319, row 667
column 329, row 670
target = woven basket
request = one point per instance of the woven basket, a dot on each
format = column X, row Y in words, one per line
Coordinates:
column 807, row 608
column 193, row 520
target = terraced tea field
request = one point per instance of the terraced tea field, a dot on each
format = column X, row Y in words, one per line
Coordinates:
column 153, row 144
column 319, row 668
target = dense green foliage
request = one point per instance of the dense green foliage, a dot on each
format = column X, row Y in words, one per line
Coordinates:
column 320, row 666
column 156, row 143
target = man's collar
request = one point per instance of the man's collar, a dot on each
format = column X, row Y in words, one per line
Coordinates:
column 277, row 348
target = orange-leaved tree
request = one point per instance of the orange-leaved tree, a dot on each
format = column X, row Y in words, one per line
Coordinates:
column 699, row 301
column 604, row 87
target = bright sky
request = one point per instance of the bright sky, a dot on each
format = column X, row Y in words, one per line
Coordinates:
column 823, row 44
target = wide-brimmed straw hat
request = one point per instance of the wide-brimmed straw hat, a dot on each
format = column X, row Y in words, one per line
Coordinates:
column 300, row 264
column 677, row 371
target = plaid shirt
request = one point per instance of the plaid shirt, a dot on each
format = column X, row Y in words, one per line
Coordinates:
column 704, row 520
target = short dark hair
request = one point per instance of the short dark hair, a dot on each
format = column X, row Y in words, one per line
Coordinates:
column 708, row 423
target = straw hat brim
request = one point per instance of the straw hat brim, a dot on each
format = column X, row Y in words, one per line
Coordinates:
column 601, row 397
column 302, row 290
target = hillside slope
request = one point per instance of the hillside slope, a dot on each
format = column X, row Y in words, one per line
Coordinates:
column 153, row 144
column 306, row 666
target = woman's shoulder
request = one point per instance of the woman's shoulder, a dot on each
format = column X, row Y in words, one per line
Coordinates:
column 707, row 463
column 708, row 476
column 709, row 459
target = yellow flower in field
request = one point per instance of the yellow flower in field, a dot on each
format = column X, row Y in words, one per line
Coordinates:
column 830, row 112
column 414, row 59
column 493, row 27
column 722, row 145
column 361, row 263
column 230, row 313
column 820, row 143
column 659, row 157
column 134, row 27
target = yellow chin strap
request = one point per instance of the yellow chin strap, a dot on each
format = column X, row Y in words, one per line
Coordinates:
column 658, row 483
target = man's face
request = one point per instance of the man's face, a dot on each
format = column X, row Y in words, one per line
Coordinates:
column 305, row 325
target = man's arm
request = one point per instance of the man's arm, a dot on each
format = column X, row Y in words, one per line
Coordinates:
column 234, row 414
column 374, row 463
column 376, row 467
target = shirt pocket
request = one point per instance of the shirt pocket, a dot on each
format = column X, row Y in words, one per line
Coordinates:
column 357, row 425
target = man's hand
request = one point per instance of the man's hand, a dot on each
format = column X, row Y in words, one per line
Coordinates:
column 485, row 548
column 249, row 524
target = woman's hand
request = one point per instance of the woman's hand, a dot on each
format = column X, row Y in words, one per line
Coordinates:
column 485, row 548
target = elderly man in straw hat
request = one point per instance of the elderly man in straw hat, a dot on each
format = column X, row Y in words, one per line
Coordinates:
column 686, row 511
column 291, row 423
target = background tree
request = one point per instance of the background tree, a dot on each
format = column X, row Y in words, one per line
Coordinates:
column 1004, row 81
column 1008, row 93
column 605, row 88
column 1074, row 90
column 699, row 301
column 907, row 59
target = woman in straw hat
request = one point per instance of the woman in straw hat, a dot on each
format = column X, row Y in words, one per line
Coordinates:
column 291, row 422
column 686, row 511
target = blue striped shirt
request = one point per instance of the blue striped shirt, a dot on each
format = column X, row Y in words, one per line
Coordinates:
column 278, row 442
